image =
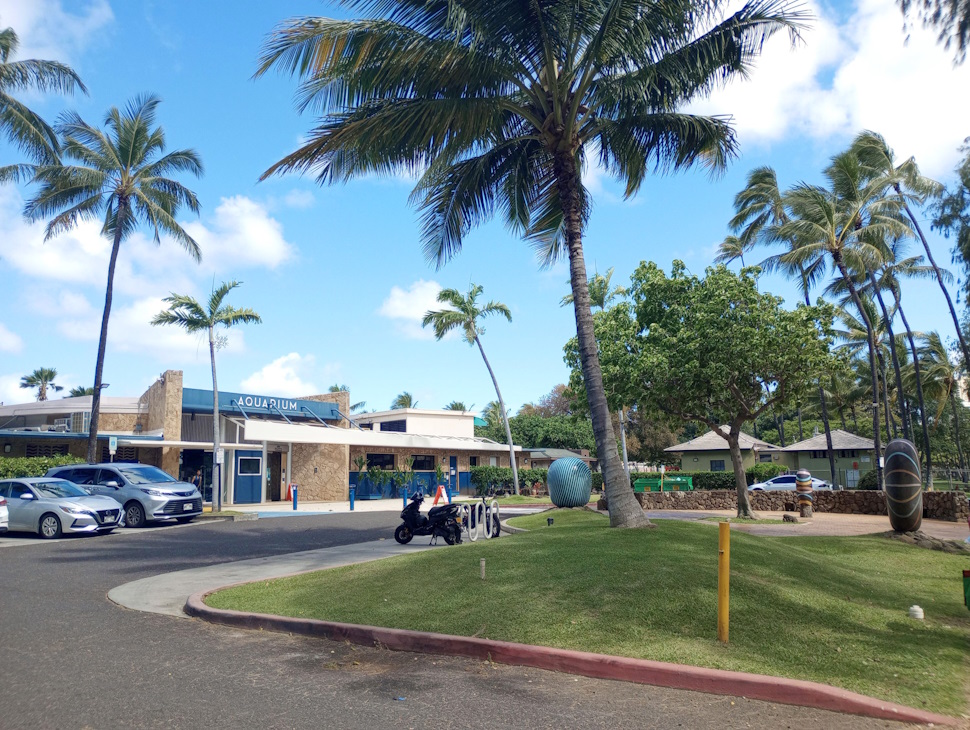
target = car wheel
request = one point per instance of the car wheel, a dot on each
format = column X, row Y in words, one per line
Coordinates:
column 134, row 515
column 50, row 526
column 184, row 520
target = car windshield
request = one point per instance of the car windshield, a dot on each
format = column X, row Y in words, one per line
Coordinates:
column 58, row 489
column 144, row 474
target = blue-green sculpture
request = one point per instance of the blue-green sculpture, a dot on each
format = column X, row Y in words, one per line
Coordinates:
column 570, row 482
column 904, row 488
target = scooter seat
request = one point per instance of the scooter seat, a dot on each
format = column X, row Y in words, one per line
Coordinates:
column 443, row 509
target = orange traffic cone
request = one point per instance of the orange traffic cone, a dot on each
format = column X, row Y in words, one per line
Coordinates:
column 289, row 492
column 442, row 493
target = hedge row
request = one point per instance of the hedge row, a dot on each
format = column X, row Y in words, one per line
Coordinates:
column 34, row 466
column 500, row 477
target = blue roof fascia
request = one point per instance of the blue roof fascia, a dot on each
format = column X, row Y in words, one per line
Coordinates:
column 76, row 436
column 195, row 400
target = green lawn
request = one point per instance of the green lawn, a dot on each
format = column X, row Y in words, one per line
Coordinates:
column 524, row 499
column 831, row 610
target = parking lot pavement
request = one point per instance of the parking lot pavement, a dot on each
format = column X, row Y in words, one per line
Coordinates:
column 28, row 539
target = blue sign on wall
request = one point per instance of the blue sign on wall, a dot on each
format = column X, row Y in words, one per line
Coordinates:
column 200, row 401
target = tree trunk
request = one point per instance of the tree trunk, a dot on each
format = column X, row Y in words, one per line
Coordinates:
column 956, row 430
column 626, row 459
column 625, row 511
column 801, row 436
column 870, row 335
column 939, row 278
column 216, row 441
column 744, row 505
column 901, row 400
column 103, row 340
column 919, row 393
column 884, row 377
column 842, row 416
column 505, row 416
column 829, row 449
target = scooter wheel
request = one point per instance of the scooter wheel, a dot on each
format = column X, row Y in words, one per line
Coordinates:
column 403, row 534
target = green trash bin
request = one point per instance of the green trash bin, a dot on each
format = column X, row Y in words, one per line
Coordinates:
column 678, row 484
column 647, row 484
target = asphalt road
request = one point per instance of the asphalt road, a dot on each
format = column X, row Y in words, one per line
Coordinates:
column 69, row 658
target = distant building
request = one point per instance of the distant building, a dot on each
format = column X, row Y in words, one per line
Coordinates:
column 268, row 441
column 542, row 458
column 709, row 452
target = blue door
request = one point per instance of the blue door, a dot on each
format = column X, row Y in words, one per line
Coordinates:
column 453, row 475
column 249, row 477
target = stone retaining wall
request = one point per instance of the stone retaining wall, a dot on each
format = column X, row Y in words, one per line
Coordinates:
column 949, row 506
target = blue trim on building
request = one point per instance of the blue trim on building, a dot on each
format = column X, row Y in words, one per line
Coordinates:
column 195, row 400
column 62, row 435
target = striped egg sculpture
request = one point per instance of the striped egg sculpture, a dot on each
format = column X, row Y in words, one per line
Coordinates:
column 570, row 482
column 904, row 489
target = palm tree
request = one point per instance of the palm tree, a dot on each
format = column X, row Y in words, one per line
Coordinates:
column 43, row 380
column 910, row 186
column 500, row 105
column 120, row 176
column 942, row 382
column 404, row 400
column 601, row 294
column 354, row 407
column 23, row 127
column 185, row 312
column 463, row 313
column 759, row 206
column 80, row 391
column 457, row 405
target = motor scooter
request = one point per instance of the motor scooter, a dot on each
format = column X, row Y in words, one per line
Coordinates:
column 440, row 522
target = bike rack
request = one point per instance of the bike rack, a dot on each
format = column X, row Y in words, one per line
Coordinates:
column 483, row 519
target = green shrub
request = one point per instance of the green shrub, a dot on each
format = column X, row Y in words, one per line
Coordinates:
column 763, row 472
column 700, row 479
column 34, row 466
column 868, row 481
column 597, row 481
column 500, row 477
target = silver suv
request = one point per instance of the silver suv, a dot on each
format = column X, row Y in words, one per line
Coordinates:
column 145, row 492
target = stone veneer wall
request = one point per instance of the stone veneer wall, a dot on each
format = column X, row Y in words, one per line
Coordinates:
column 949, row 506
column 162, row 405
column 441, row 456
column 321, row 471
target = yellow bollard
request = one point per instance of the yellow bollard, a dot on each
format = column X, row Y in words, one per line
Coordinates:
column 723, row 580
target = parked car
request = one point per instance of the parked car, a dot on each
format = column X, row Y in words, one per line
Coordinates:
column 4, row 514
column 146, row 492
column 51, row 507
column 785, row 482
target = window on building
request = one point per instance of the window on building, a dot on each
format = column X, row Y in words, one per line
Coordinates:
column 717, row 464
column 818, row 455
column 493, row 461
column 423, row 462
column 847, row 454
column 472, row 461
column 764, row 458
column 381, row 461
column 46, row 450
column 398, row 426
column 249, row 466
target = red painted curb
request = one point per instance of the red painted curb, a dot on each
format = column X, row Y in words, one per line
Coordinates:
column 600, row 666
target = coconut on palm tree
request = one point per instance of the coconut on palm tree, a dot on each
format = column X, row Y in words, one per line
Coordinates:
column 185, row 312
column 43, row 380
column 464, row 313
column 500, row 105
column 23, row 127
column 117, row 174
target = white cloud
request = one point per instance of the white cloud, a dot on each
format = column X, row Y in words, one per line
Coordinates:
column 242, row 233
column 408, row 307
column 854, row 75
column 286, row 376
column 298, row 199
column 48, row 31
column 10, row 341
column 11, row 392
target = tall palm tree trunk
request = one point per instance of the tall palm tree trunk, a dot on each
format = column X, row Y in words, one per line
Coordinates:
column 939, row 279
column 801, row 436
column 505, row 416
column 625, row 511
column 956, row 432
column 876, row 436
column 919, row 393
column 103, row 339
column 216, row 441
column 829, row 448
column 904, row 416
column 887, row 413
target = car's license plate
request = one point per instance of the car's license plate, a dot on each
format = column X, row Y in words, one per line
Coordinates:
column 109, row 518
column 187, row 507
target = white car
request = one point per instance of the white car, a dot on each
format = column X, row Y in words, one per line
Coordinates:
column 4, row 515
column 785, row 483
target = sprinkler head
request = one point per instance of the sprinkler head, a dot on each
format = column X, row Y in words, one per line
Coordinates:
column 549, row 521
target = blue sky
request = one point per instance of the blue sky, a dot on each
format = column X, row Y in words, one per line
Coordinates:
column 337, row 273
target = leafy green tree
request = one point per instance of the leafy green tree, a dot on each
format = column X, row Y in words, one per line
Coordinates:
column 43, row 380
column 185, row 312
column 463, row 313
column 601, row 292
column 119, row 176
column 714, row 350
column 80, row 391
column 456, row 405
column 557, row 402
column 951, row 214
column 23, row 127
column 403, row 400
column 500, row 105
